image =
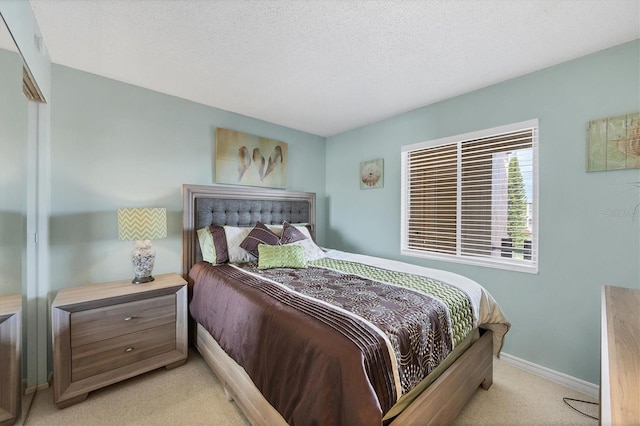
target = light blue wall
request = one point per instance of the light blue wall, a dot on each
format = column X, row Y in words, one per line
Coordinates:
column 588, row 233
column 116, row 145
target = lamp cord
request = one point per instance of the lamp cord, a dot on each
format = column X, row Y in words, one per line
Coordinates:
column 566, row 399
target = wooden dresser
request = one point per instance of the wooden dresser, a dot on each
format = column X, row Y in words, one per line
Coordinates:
column 620, row 357
column 10, row 368
column 104, row 333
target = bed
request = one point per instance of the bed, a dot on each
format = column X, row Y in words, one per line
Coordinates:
column 340, row 369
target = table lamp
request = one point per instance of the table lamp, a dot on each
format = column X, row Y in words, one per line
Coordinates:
column 142, row 225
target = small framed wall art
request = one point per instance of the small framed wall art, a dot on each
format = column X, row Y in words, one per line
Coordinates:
column 614, row 143
column 372, row 174
column 245, row 159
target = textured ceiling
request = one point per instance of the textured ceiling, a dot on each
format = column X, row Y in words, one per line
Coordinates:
column 325, row 67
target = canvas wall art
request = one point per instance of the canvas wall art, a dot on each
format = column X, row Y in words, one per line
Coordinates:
column 372, row 174
column 614, row 143
column 245, row 159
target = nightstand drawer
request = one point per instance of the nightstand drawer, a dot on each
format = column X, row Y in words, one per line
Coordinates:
column 106, row 355
column 94, row 325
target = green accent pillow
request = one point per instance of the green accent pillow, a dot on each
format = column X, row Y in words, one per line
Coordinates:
column 280, row 257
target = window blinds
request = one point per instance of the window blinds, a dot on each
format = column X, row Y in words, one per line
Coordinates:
column 473, row 198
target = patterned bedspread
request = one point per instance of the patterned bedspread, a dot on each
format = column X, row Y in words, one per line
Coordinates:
column 400, row 320
column 421, row 328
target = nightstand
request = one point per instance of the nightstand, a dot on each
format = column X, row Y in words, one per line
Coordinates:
column 105, row 333
column 10, row 347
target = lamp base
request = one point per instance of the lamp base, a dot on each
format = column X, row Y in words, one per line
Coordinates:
column 141, row 280
column 142, row 257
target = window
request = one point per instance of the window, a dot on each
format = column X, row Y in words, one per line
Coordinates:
column 472, row 198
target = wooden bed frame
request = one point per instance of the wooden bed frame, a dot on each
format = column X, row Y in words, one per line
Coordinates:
column 440, row 403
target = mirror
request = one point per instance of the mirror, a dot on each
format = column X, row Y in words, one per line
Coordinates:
column 13, row 165
column 13, row 198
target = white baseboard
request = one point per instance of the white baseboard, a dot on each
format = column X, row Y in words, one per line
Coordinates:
column 26, row 390
column 555, row 376
column 33, row 389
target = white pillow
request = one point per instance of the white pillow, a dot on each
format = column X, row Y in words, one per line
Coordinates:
column 236, row 235
column 311, row 250
column 276, row 229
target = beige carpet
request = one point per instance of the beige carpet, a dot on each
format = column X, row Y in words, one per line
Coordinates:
column 192, row 395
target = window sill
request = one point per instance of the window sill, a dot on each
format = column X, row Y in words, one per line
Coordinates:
column 513, row 265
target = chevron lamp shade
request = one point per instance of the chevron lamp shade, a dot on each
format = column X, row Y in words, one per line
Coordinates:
column 142, row 224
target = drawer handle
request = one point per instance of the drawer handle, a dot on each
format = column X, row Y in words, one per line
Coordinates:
column 129, row 318
column 129, row 349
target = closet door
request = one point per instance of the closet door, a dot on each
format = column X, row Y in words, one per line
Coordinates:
column 24, row 165
column 14, row 262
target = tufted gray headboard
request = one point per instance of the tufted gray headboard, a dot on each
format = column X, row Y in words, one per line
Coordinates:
column 204, row 205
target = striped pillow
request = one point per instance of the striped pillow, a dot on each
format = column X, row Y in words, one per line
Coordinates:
column 213, row 244
column 259, row 235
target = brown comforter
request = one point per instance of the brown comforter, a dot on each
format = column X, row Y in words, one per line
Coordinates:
column 313, row 362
